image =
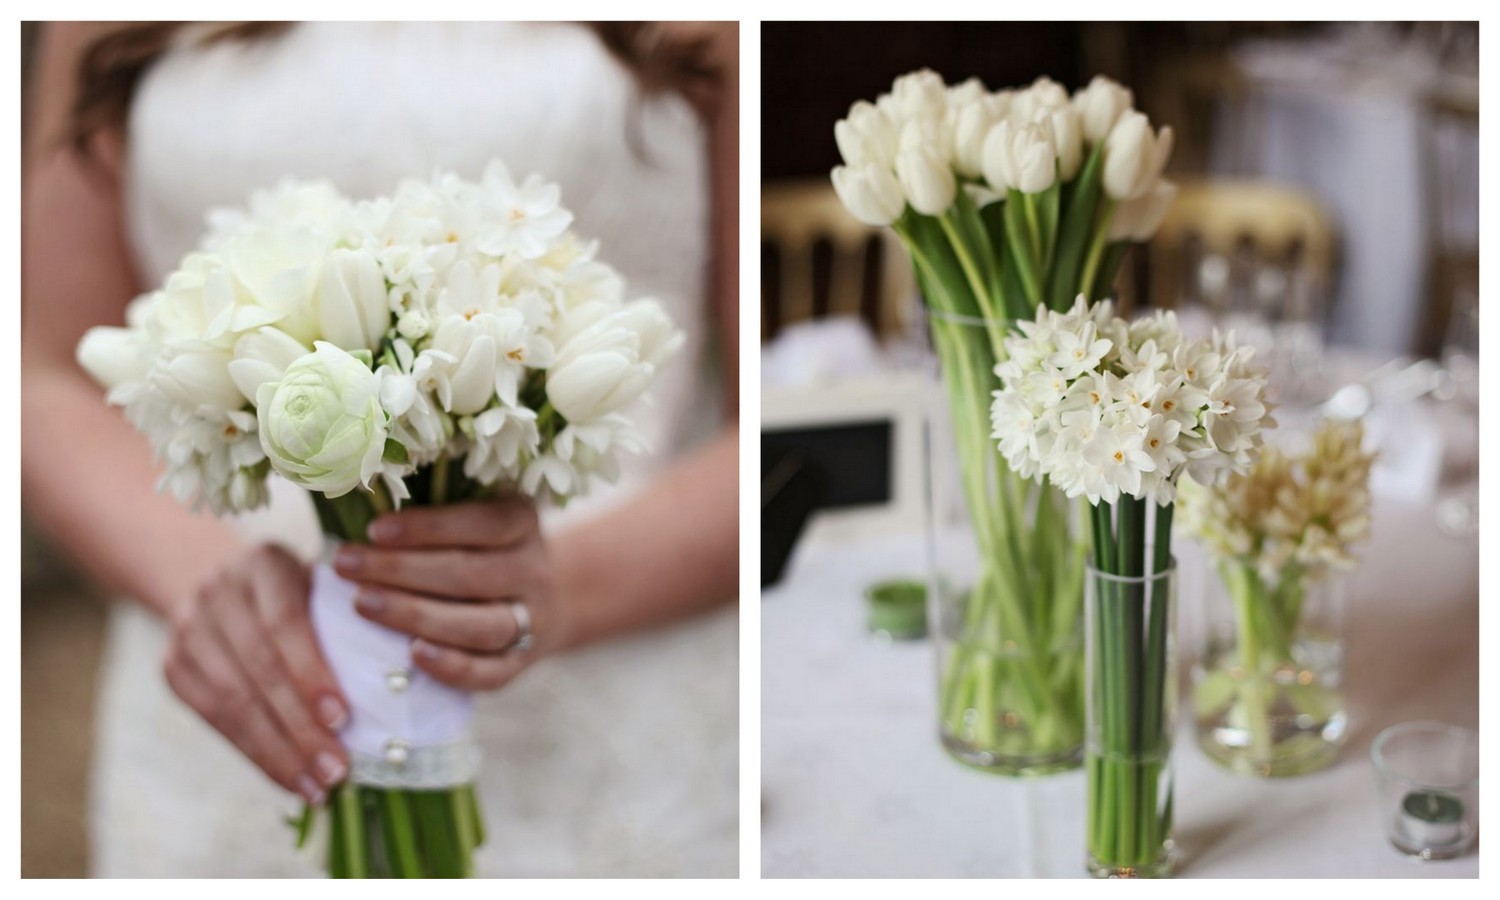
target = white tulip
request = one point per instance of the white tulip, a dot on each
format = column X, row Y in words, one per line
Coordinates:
column 1134, row 157
column 263, row 356
column 1100, row 105
column 919, row 95
column 1137, row 219
column 962, row 94
column 972, row 123
column 1020, row 156
column 353, row 309
column 926, row 179
column 115, row 356
column 871, row 193
column 596, row 384
column 659, row 338
column 866, row 136
column 322, row 425
column 1067, row 141
column 198, row 380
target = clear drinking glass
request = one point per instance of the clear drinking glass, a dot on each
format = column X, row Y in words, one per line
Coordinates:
column 1132, row 707
column 1429, row 788
column 1268, row 680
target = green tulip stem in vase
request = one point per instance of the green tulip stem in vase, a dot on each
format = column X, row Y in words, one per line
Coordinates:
column 1117, row 412
column 1267, row 682
column 1008, row 202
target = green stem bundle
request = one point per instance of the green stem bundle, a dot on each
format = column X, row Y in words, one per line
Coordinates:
column 1130, row 686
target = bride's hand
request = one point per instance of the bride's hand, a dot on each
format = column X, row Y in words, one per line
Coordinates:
column 243, row 655
column 449, row 576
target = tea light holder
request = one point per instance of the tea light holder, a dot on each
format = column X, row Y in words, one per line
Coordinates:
column 897, row 609
column 1429, row 784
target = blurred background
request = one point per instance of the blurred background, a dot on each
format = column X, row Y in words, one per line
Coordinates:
column 62, row 631
column 1328, row 201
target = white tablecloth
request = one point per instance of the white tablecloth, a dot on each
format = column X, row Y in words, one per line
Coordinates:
column 855, row 783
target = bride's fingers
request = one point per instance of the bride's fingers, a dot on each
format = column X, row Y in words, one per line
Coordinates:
column 255, row 651
column 501, row 522
column 200, row 671
column 461, row 574
column 462, row 669
column 280, row 588
column 486, row 627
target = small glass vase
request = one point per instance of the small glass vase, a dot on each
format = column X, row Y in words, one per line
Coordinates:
column 1268, row 678
column 1132, row 708
column 1006, row 560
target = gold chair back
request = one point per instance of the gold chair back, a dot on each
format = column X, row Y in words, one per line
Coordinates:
column 817, row 260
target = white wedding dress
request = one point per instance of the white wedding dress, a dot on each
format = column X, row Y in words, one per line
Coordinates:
column 618, row 760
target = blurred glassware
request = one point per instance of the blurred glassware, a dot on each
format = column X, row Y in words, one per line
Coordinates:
column 1428, row 776
column 1458, row 510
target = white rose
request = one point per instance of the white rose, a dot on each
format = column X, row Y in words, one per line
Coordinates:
column 322, row 425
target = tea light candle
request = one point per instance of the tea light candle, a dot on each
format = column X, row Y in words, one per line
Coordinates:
column 1432, row 819
column 898, row 609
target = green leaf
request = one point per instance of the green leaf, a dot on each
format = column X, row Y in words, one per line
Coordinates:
column 395, row 452
column 1077, row 227
column 1023, row 253
column 364, row 356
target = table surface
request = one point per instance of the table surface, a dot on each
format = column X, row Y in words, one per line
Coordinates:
column 855, row 783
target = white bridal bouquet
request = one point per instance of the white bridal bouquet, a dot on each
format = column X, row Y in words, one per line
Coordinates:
column 445, row 343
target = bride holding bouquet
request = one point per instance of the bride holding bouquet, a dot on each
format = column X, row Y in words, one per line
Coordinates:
column 617, row 757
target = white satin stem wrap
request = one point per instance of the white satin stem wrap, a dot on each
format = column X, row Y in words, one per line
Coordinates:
column 406, row 729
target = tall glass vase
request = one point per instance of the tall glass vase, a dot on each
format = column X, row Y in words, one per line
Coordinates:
column 1268, row 679
column 1006, row 577
column 1132, row 707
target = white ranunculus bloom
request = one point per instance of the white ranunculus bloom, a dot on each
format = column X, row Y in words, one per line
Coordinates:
column 322, row 425
column 1134, row 157
column 1100, row 105
column 926, row 179
column 353, row 311
column 866, row 136
column 870, row 193
column 1020, row 156
column 1138, row 219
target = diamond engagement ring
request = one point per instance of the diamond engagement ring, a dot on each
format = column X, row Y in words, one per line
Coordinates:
column 523, row 626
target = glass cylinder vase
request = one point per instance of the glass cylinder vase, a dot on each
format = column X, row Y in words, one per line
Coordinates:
column 1268, row 678
column 1132, row 707
column 1006, row 579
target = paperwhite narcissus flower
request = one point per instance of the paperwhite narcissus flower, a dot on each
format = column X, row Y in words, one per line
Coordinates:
column 870, row 192
column 1022, row 157
column 1134, row 157
column 1105, row 408
column 322, row 425
column 926, row 179
column 521, row 220
column 1100, row 105
column 1138, row 219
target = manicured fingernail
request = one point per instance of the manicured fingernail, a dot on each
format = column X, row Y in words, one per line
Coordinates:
column 330, row 770
column 429, row 652
column 348, row 559
column 384, row 530
column 309, row 790
column 369, row 601
column 332, row 713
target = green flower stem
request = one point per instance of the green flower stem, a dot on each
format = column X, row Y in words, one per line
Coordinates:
column 1095, row 254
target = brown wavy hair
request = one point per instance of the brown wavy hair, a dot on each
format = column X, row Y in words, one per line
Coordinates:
column 112, row 66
